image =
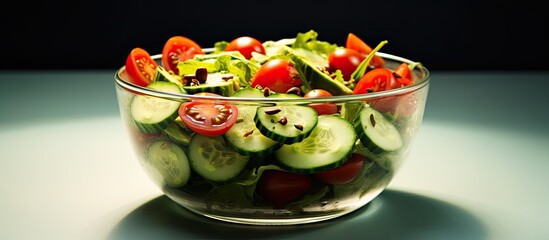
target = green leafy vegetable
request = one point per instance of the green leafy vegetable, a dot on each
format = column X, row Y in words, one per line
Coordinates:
column 220, row 46
column 309, row 41
column 232, row 62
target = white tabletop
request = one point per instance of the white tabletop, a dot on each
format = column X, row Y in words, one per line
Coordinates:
column 478, row 168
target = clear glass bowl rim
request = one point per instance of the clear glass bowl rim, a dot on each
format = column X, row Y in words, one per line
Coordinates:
column 419, row 83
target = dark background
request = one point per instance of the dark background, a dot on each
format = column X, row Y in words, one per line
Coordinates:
column 443, row 35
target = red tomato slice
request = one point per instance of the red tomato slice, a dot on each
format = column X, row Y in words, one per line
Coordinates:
column 279, row 188
column 404, row 71
column 278, row 75
column 342, row 174
column 321, row 108
column 246, row 45
column 140, row 67
column 354, row 42
column 208, row 118
column 405, row 74
column 178, row 49
column 378, row 79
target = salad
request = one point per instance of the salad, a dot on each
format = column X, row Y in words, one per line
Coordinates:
column 283, row 157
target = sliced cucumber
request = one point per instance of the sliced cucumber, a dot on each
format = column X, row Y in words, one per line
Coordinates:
column 153, row 114
column 224, row 84
column 329, row 145
column 244, row 137
column 249, row 92
column 307, row 64
column 170, row 161
column 214, row 160
column 177, row 132
column 163, row 75
column 298, row 124
column 376, row 132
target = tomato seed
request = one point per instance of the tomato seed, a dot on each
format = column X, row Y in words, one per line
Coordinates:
column 216, row 120
column 199, row 117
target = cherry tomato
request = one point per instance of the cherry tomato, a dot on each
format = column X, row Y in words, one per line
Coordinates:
column 279, row 188
column 321, row 108
column 278, row 75
column 178, row 49
column 208, row 118
column 404, row 71
column 354, row 42
column 378, row 79
column 342, row 174
column 246, row 45
column 405, row 74
column 346, row 60
column 140, row 67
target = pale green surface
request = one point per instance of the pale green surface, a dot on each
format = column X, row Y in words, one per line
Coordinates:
column 478, row 169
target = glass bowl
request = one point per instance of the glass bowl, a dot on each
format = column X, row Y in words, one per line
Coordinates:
column 286, row 183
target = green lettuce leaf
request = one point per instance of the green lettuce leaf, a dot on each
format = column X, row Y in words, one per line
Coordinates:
column 309, row 41
column 232, row 62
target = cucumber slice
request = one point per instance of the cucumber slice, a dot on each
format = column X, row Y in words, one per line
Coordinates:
column 329, row 145
column 177, row 132
column 300, row 121
column 376, row 132
column 170, row 161
column 306, row 64
column 249, row 92
column 163, row 75
column 212, row 159
column 153, row 114
column 224, row 84
column 244, row 137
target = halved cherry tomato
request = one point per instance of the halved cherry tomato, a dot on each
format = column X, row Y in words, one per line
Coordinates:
column 354, row 42
column 278, row 75
column 404, row 74
column 140, row 67
column 346, row 60
column 321, row 108
column 404, row 71
column 246, row 45
column 178, row 49
column 279, row 188
column 342, row 174
column 378, row 79
column 208, row 117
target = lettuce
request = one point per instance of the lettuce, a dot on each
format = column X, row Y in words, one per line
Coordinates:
column 232, row 62
column 309, row 41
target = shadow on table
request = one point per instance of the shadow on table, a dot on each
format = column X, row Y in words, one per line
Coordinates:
column 392, row 215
